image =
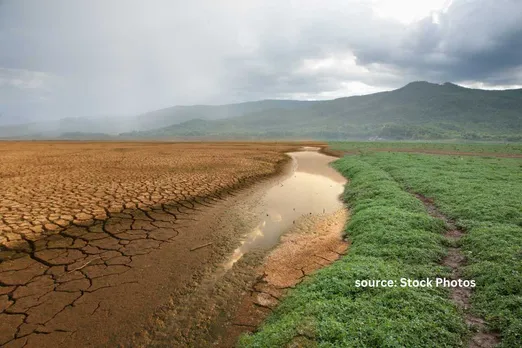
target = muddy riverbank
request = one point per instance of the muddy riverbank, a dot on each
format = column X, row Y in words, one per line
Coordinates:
column 171, row 274
column 290, row 227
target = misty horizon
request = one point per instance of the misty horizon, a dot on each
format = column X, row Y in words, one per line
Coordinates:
column 61, row 59
column 129, row 116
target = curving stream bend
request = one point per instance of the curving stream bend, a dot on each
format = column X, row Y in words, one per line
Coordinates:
column 311, row 188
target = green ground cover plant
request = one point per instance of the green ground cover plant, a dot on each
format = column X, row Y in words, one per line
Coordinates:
column 484, row 197
column 392, row 237
column 368, row 146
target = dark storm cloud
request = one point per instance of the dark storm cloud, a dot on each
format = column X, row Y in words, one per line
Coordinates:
column 473, row 41
column 76, row 58
column 477, row 40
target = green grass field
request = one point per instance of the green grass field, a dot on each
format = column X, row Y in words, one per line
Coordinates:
column 393, row 237
column 484, row 196
column 493, row 148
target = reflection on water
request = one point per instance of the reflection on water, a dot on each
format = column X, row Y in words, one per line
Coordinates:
column 312, row 188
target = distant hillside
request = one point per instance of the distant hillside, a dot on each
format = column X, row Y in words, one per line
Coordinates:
column 65, row 126
column 419, row 110
column 151, row 120
column 179, row 114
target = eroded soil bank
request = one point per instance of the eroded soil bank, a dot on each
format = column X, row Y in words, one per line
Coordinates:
column 290, row 228
column 170, row 274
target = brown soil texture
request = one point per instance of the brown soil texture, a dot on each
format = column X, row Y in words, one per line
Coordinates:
column 455, row 260
column 312, row 244
column 96, row 236
column 225, row 305
column 47, row 186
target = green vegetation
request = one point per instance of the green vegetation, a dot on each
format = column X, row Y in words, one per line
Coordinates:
column 420, row 110
column 351, row 146
column 392, row 237
column 151, row 120
column 180, row 114
column 417, row 111
column 484, row 197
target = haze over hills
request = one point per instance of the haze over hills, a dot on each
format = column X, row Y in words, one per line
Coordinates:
column 179, row 114
column 56, row 128
column 419, row 110
column 83, row 126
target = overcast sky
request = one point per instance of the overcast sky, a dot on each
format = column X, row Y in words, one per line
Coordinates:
column 73, row 58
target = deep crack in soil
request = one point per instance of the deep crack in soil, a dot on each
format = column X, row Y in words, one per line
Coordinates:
column 94, row 280
column 313, row 243
column 455, row 260
column 235, row 297
column 219, row 310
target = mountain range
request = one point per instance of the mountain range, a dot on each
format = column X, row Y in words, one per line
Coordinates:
column 419, row 110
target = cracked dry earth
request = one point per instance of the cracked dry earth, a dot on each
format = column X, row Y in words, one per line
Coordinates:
column 311, row 244
column 94, row 236
column 224, row 306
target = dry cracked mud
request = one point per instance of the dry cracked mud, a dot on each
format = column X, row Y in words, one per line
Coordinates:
column 95, row 236
column 280, row 253
column 313, row 243
column 46, row 187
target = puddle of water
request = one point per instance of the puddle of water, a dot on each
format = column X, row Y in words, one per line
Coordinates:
column 312, row 188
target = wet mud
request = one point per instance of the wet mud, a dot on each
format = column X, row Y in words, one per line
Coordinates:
column 311, row 188
column 291, row 228
column 168, row 274
column 312, row 244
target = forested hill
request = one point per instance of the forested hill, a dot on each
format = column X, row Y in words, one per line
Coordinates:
column 419, row 110
column 84, row 127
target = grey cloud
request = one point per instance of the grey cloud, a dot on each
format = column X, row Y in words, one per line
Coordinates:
column 127, row 57
column 477, row 40
column 473, row 41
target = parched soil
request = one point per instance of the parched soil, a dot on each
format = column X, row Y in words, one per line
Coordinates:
column 312, row 244
column 222, row 306
column 47, row 186
column 96, row 236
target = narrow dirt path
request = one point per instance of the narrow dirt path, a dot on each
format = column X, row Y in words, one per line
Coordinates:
column 455, row 260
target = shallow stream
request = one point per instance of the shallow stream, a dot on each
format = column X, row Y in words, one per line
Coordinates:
column 311, row 187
